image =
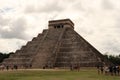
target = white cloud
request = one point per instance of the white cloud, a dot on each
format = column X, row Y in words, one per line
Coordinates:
column 15, row 29
column 10, row 45
column 3, row 21
column 107, row 4
column 98, row 21
column 51, row 7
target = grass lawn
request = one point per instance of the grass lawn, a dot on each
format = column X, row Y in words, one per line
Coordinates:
column 83, row 74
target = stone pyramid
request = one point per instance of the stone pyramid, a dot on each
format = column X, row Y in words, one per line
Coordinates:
column 57, row 46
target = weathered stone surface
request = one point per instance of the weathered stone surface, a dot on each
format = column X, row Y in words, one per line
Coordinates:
column 57, row 46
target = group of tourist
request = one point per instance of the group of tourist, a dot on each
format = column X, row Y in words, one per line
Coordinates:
column 109, row 70
column 75, row 67
column 3, row 67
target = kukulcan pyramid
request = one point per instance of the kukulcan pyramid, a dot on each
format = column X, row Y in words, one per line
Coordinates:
column 58, row 46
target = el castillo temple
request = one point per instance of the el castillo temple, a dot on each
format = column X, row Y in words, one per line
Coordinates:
column 58, row 46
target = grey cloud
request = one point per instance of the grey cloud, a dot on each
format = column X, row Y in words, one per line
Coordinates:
column 85, row 31
column 1, row 11
column 6, row 9
column 17, row 30
column 118, row 22
column 30, row 9
column 107, row 5
column 49, row 7
column 116, row 28
column 78, row 6
column 112, row 45
column 3, row 21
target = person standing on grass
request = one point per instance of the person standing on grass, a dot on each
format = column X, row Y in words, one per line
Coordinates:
column 111, row 70
column 71, row 67
column 2, row 67
column 78, row 67
column 98, row 69
column 7, row 67
column 101, row 69
column 117, row 70
column 114, row 70
column 106, row 69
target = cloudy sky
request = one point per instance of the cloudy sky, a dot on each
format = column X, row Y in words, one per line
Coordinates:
column 98, row 21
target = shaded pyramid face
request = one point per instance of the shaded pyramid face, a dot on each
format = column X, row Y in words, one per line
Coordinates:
column 57, row 46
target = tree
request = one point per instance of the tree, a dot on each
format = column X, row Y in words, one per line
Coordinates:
column 114, row 59
column 4, row 55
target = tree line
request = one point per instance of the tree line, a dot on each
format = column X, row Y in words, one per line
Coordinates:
column 4, row 55
column 115, row 59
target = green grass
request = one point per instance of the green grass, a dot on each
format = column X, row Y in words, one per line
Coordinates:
column 83, row 74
